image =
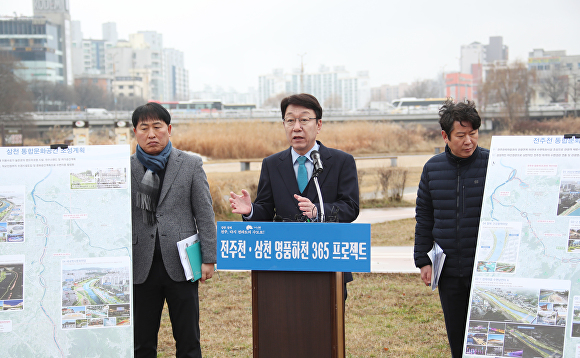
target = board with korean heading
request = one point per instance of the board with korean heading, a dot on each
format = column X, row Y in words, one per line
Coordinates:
column 65, row 252
column 525, row 293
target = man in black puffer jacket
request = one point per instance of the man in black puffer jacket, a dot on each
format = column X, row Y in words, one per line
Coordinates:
column 448, row 208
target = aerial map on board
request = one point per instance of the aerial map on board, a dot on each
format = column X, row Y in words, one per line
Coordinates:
column 525, row 294
column 65, row 252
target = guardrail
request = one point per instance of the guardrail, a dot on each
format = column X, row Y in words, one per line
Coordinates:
column 49, row 119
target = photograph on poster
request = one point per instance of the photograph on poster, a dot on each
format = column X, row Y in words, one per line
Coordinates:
column 575, row 331
column 98, row 311
column 94, row 289
column 12, row 305
column 12, row 283
column 95, row 322
column 519, row 317
column 478, row 327
column 495, row 340
column 498, row 245
column 107, row 178
column 574, row 236
column 494, row 351
column 534, row 341
column 504, row 304
column 496, row 328
column 3, row 232
column 75, row 312
column 569, row 196
column 12, row 213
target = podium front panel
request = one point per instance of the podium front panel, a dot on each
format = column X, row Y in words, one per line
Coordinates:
column 297, row 314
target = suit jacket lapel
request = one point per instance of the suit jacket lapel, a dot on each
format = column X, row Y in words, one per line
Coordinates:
column 137, row 169
column 173, row 164
column 286, row 171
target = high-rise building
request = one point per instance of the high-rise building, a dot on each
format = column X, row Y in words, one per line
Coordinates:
column 42, row 43
column 138, row 54
column 35, row 42
column 334, row 88
column 496, row 50
column 175, row 76
column 58, row 13
column 477, row 54
column 558, row 76
column 459, row 86
column 110, row 32
column 388, row 93
column 472, row 54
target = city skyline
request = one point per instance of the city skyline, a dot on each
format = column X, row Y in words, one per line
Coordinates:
column 230, row 44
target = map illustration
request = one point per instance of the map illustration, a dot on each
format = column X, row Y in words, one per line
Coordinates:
column 526, row 274
column 65, row 252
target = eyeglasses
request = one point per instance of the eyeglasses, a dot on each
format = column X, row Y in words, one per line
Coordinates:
column 290, row 122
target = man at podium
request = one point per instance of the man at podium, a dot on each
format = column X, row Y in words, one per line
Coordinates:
column 286, row 191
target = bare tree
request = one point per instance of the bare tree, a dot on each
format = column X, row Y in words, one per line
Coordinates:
column 91, row 96
column 50, row 96
column 554, row 84
column 334, row 101
column 274, row 101
column 127, row 103
column 574, row 91
column 14, row 95
column 422, row 89
column 511, row 88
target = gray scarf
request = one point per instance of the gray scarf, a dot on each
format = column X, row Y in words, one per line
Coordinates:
column 148, row 190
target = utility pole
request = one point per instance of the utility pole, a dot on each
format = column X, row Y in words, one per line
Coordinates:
column 302, row 72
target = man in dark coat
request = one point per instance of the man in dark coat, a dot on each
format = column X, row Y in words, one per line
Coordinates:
column 448, row 208
column 279, row 189
column 282, row 195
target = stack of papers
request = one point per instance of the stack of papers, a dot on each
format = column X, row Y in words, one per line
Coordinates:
column 437, row 257
column 190, row 256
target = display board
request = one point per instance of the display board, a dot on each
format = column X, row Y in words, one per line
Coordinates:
column 525, row 293
column 65, row 252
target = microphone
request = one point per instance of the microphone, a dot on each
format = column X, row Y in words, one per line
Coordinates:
column 315, row 156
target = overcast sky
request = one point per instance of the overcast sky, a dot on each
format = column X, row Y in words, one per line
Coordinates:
column 231, row 42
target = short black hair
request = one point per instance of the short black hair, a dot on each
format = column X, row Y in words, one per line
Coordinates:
column 458, row 112
column 150, row 110
column 304, row 100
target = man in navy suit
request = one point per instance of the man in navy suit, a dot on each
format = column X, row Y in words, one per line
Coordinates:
column 280, row 196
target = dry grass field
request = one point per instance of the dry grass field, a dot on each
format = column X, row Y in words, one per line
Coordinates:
column 260, row 139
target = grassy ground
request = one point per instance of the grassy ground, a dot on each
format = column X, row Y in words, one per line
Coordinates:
column 387, row 315
column 393, row 233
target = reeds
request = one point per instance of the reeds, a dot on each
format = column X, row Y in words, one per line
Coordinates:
column 250, row 139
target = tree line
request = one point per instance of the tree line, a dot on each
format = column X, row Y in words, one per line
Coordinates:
column 18, row 96
column 510, row 89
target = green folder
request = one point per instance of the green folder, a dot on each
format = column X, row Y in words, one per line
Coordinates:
column 194, row 257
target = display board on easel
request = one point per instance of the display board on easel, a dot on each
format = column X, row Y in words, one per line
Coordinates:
column 65, row 252
column 525, row 293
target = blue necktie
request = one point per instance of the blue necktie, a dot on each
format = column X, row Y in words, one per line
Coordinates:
column 302, row 174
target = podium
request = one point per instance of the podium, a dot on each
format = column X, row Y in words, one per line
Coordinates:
column 297, row 282
column 298, row 314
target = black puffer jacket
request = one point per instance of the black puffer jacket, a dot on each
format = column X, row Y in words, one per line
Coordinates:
column 449, row 202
